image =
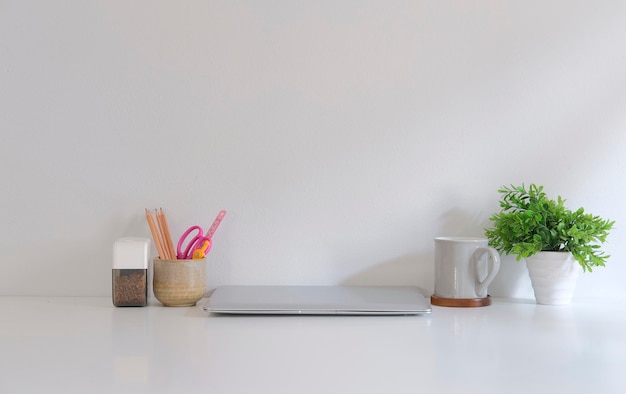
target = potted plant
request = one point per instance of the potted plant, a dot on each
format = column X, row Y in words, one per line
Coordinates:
column 556, row 242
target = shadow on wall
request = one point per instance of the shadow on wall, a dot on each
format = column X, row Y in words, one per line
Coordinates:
column 410, row 270
column 418, row 269
column 512, row 280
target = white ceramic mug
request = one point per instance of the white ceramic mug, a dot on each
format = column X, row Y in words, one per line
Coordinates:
column 461, row 267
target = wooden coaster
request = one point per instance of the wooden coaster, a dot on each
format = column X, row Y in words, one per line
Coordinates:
column 460, row 302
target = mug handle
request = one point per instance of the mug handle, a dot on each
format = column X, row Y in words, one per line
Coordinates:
column 494, row 267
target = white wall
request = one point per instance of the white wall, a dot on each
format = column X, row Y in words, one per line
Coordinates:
column 340, row 136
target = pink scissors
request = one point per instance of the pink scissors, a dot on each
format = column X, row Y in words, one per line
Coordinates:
column 197, row 242
column 200, row 243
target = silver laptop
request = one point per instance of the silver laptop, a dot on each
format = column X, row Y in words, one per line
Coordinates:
column 318, row 300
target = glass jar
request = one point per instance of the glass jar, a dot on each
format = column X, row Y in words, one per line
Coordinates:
column 130, row 272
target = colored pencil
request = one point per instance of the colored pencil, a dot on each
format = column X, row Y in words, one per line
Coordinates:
column 161, row 226
column 155, row 234
column 168, row 237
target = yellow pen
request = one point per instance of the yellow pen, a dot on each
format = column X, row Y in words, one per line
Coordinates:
column 201, row 252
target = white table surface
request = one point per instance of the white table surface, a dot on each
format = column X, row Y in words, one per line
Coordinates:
column 85, row 345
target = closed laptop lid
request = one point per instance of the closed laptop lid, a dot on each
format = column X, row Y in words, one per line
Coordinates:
column 318, row 300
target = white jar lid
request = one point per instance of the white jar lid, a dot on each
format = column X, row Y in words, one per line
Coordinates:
column 131, row 253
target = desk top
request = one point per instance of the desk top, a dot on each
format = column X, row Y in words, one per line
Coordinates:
column 78, row 345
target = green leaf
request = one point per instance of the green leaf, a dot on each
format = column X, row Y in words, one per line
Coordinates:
column 529, row 222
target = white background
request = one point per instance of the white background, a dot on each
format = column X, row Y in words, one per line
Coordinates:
column 340, row 136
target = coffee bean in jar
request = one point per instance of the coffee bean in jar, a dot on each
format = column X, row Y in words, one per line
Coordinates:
column 130, row 272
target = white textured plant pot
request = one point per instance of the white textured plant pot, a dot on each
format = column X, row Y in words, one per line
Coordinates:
column 553, row 276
